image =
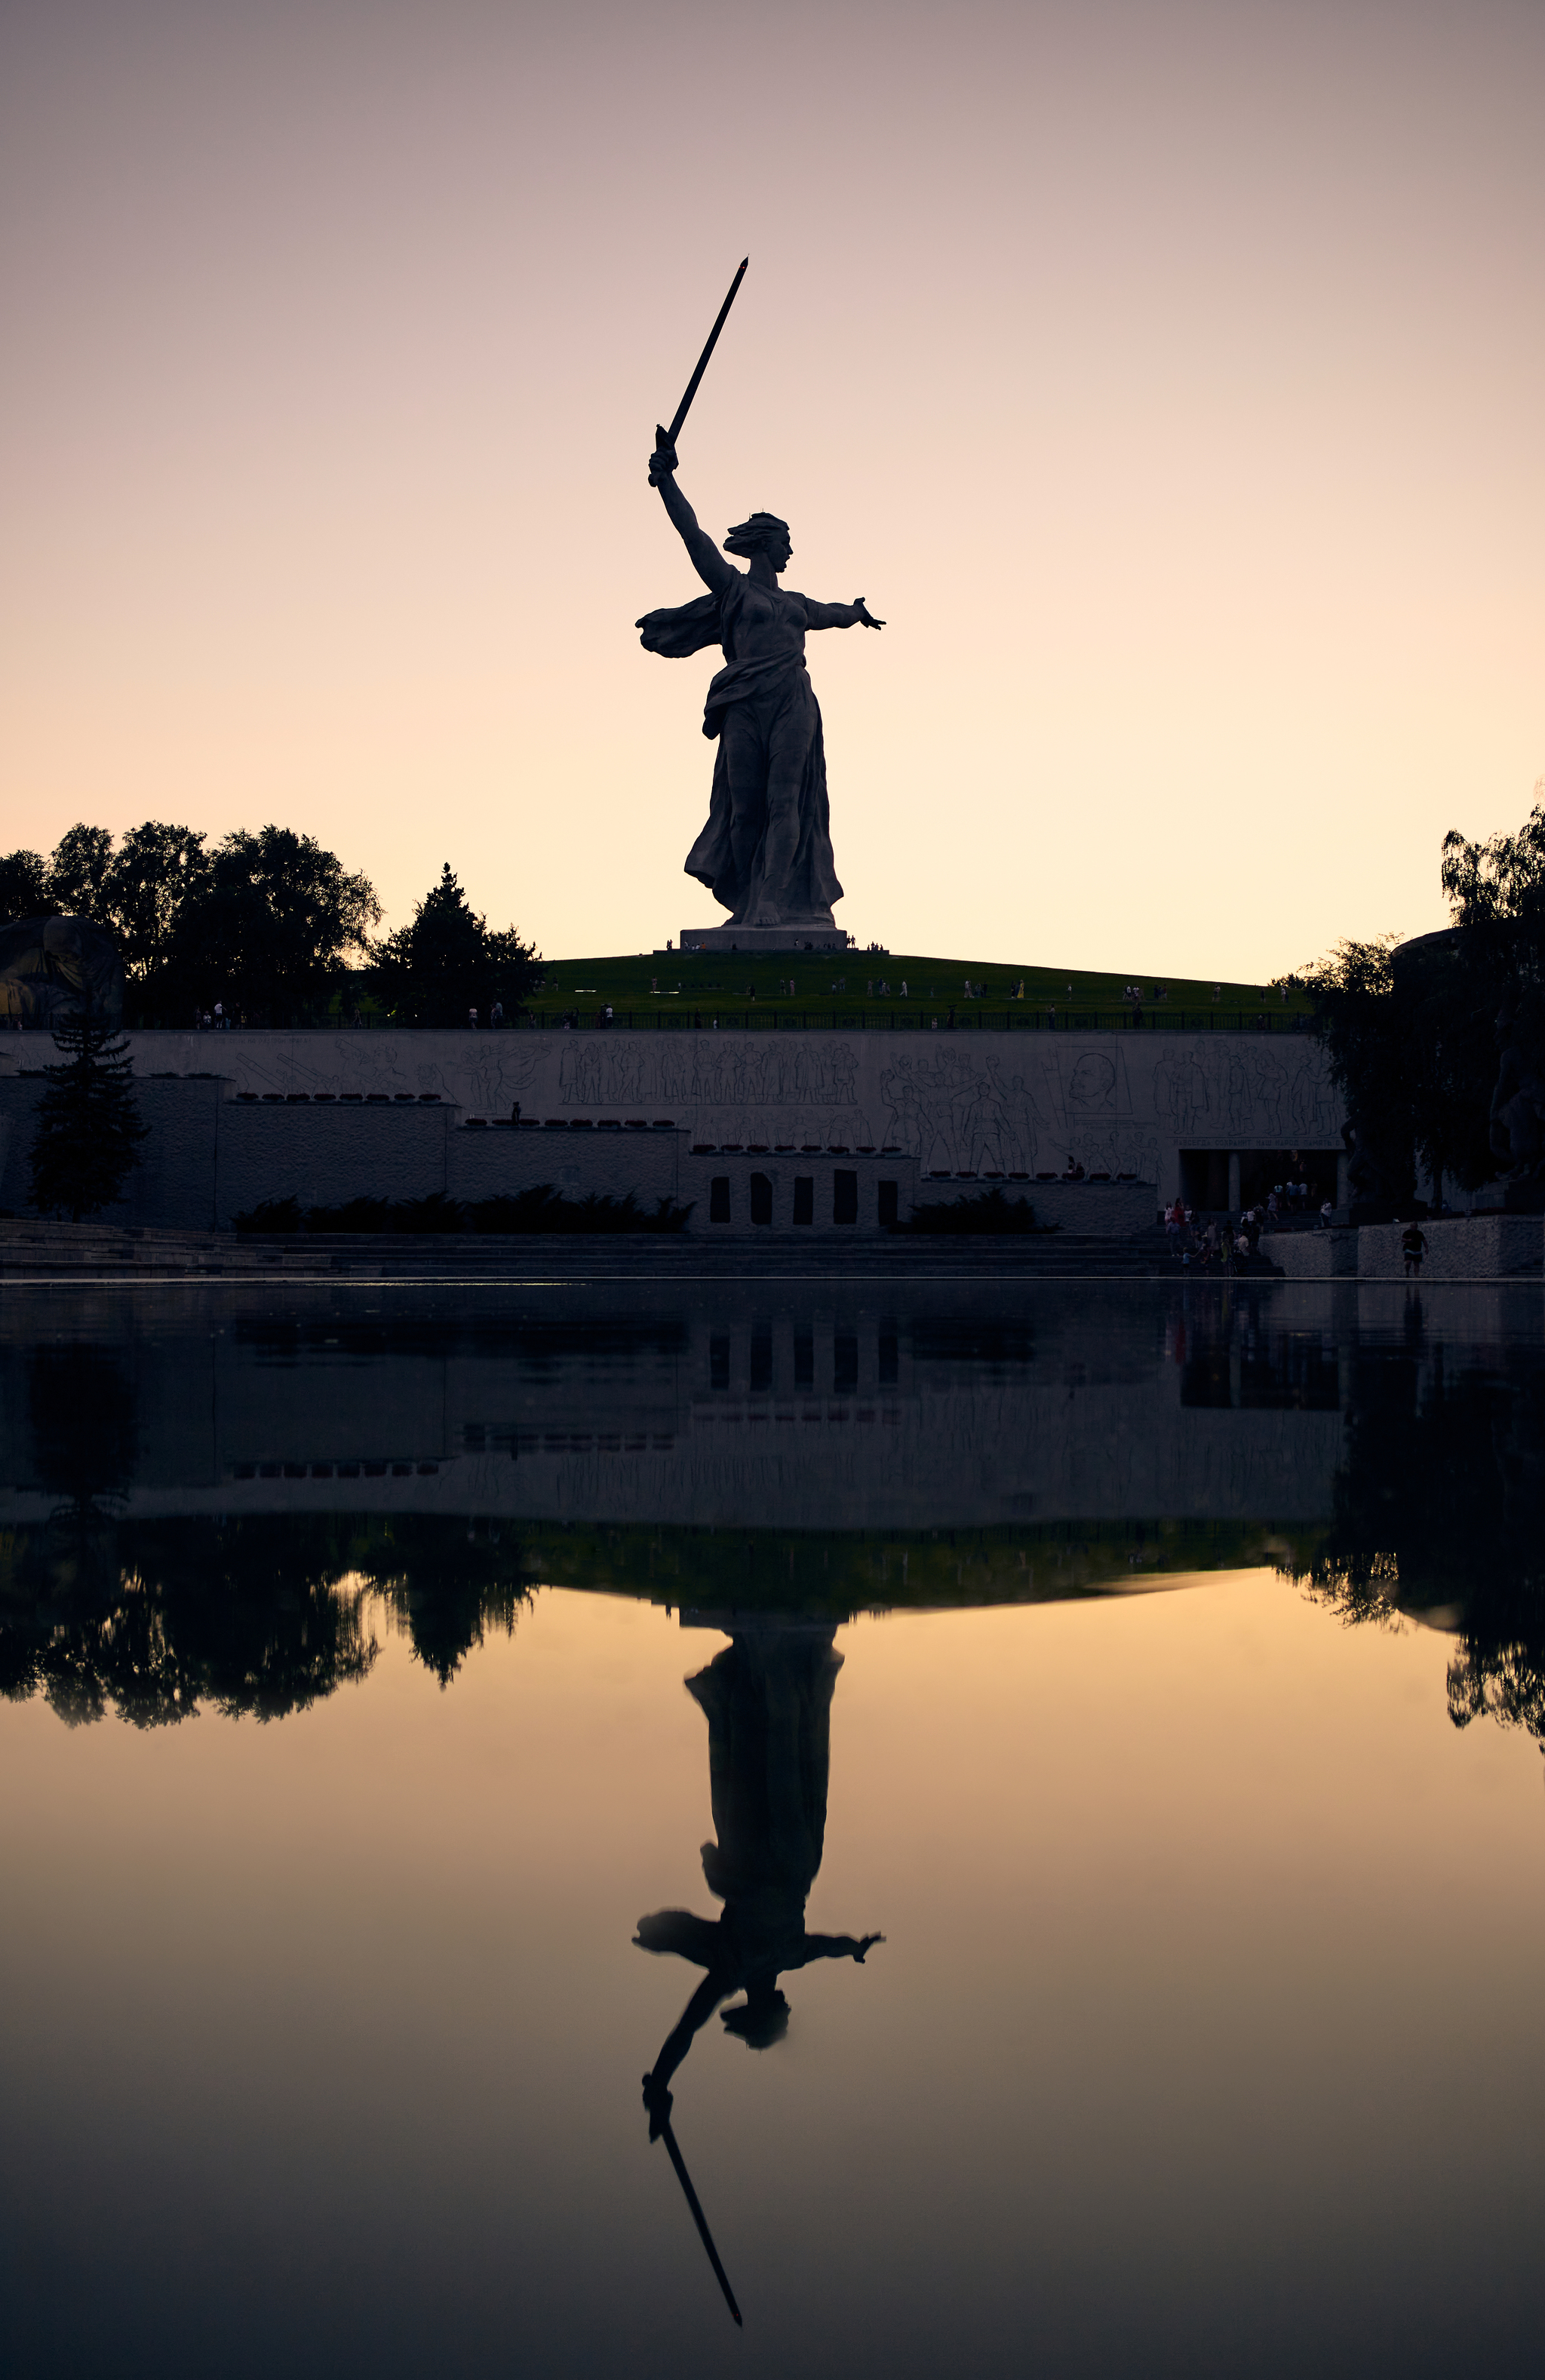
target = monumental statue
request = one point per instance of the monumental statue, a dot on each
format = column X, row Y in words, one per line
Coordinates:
column 50, row 967
column 765, row 853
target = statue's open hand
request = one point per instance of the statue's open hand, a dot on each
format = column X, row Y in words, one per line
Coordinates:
column 663, row 462
column 865, row 614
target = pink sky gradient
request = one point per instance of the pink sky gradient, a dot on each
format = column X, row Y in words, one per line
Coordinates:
column 1169, row 377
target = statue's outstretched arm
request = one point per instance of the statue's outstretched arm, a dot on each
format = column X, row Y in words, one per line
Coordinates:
column 706, row 558
column 839, row 615
column 839, row 1946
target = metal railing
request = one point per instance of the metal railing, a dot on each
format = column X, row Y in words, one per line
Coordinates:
column 909, row 1017
column 919, row 1016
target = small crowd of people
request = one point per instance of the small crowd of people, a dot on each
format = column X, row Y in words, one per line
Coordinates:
column 1219, row 1243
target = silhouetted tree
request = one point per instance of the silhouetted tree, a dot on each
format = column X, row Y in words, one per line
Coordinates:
column 448, row 1583
column 1440, row 1503
column 88, row 1128
column 1410, row 1028
column 23, row 886
column 78, row 873
column 270, row 923
column 156, row 871
column 432, row 971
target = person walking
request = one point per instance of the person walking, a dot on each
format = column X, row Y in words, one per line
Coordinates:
column 1413, row 1247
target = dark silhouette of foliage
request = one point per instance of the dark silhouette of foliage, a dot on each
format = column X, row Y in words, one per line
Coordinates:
column 269, row 924
column 245, row 1616
column 448, row 1583
column 156, row 872
column 542, row 1209
column 1410, row 1027
column 23, row 886
column 1440, row 1508
column 87, row 1122
column 987, row 1211
column 446, row 962
column 77, row 874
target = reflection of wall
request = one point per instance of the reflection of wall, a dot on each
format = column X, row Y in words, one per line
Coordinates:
column 983, row 1103
column 841, row 1409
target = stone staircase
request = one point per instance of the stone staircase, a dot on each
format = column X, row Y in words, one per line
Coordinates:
column 48, row 1252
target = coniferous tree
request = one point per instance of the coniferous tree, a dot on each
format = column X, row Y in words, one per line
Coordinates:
column 432, row 971
column 89, row 1127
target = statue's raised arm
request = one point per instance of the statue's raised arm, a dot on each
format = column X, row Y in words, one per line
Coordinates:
column 766, row 851
column 706, row 558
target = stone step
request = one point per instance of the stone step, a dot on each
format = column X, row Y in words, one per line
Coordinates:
column 63, row 1251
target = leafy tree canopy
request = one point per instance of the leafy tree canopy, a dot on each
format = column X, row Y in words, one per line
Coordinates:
column 1410, row 1027
column 78, row 873
column 23, row 886
column 271, row 921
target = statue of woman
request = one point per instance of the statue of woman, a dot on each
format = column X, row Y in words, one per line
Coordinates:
column 766, row 852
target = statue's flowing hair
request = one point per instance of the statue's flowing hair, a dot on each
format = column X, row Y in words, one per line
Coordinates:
column 749, row 537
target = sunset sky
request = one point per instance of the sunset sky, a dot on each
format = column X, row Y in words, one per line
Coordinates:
column 1170, row 377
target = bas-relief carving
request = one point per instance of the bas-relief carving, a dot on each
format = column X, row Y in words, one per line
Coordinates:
column 1022, row 1106
column 1021, row 1103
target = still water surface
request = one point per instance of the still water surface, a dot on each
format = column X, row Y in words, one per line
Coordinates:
column 425, row 1718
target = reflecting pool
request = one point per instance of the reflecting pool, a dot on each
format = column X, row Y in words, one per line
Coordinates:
column 971, row 1830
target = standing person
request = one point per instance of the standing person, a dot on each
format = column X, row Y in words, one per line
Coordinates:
column 1172, row 1222
column 496, row 1015
column 472, row 1020
column 1326, row 1213
column 1413, row 1247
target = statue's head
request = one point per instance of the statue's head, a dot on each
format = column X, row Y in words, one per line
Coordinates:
column 762, row 533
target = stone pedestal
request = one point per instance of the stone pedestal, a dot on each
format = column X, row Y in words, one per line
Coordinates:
column 751, row 940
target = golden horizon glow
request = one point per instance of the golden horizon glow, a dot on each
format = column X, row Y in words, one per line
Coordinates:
column 1167, row 377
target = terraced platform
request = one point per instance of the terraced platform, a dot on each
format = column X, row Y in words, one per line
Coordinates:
column 43, row 1252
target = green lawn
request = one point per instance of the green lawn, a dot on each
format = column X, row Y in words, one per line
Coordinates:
column 851, row 980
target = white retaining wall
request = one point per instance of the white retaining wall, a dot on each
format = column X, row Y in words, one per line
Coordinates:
column 1474, row 1247
column 984, row 1103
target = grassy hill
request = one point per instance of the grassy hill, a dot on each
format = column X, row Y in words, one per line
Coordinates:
column 853, row 980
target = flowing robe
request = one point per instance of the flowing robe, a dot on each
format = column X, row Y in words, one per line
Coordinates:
column 766, row 706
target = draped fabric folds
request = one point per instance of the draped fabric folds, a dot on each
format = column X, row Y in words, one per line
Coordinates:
column 755, row 710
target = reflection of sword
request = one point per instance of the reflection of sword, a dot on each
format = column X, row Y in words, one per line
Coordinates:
column 698, row 2217
column 668, row 437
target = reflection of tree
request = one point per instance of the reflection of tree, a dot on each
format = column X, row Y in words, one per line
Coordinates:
column 447, row 1583
column 248, row 1616
column 263, row 1615
column 1439, row 1506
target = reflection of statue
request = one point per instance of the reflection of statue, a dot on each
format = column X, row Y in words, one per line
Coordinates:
column 50, row 967
column 768, row 1699
column 1517, row 1113
column 766, row 851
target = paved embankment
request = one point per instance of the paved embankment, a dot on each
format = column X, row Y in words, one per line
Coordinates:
column 1459, row 1247
column 36, row 1251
